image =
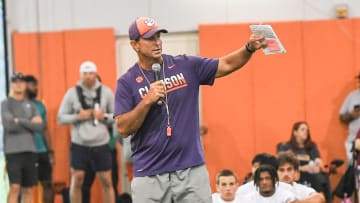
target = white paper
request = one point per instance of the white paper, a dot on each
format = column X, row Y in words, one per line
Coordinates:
column 273, row 44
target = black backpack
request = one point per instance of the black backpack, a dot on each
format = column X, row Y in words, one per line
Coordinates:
column 81, row 97
column 346, row 183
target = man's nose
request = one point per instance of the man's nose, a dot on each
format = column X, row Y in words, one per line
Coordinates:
column 158, row 41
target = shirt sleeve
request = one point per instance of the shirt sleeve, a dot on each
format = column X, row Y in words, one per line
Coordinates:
column 66, row 114
column 7, row 118
column 283, row 147
column 205, row 69
column 44, row 113
column 109, row 107
column 308, row 191
column 35, row 127
column 345, row 106
column 123, row 98
column 314, row 153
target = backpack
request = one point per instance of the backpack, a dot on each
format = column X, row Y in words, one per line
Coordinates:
column 81, row 97
column 346, row 185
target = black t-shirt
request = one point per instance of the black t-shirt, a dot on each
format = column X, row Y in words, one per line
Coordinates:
column 304, row 155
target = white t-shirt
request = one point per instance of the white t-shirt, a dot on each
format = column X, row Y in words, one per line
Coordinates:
column 250, row 187
column 301, row 191
column 283, row 196
column 347, row 107
column 216, row 198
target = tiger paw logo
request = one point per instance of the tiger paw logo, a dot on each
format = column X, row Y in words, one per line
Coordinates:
column 149, row 22
column 139, row 79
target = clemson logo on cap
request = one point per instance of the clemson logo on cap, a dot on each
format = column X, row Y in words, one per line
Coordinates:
column 139, row 79
column 149, row 22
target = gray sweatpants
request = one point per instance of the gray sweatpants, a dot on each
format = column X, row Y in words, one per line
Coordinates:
column 184, row 186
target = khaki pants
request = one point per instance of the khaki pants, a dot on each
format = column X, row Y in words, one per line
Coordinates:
column 184, row 186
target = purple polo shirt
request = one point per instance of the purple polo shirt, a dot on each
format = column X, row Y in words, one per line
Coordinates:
column 153, row 151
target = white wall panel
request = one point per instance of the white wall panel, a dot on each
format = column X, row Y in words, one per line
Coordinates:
column 108, row 13
column 21, row 15
column 258, row 11
column 184, row 15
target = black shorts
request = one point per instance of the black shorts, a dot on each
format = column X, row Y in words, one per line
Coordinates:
column 22, row 168
column 44, row 167
column 99, row 157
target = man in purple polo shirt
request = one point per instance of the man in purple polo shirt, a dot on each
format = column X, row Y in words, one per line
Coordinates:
column 162, row 117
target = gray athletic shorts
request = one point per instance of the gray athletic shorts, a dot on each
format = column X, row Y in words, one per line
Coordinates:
column 184, row 186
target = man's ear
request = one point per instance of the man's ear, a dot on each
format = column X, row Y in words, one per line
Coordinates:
column 217, row 188
column 134, row 45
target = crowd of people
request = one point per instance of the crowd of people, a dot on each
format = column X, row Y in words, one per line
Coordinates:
column 158, row 109
column 273, row 180
column 88, row 107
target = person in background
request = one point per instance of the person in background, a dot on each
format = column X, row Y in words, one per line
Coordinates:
column 265, row 180
column 45, row 153
column 21, row 119
column 226, row 186
column 88, row 107
column 288, row 171
column 260, row 160
column 357, row 162
column 311, row 164
column 90, row 174
column 350, row 115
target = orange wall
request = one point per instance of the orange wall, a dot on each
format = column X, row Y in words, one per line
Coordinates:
column 253, row 109
column 61, row 55
column 246, row 113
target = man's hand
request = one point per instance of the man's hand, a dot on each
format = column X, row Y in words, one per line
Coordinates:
column 36, row 119
column 51, row 157
column 157, row 90
column 255, row 42
column 84, row 114
column 99, row 114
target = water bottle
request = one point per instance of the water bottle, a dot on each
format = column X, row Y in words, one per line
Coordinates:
column 96, row 108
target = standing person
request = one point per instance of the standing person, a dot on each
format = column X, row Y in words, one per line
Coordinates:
column 162, row 116
column 90, row 174
column 45, row 153
column 21, row 119
column 288, row 171
column 350, row 115
column 89, row 107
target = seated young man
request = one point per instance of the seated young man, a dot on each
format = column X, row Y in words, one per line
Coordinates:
column 265, row 180
column 226, row 185
column 259, row 160
column 287, row 171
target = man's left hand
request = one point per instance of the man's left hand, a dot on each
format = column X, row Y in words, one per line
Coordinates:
column 51, row 158
column 256, row 42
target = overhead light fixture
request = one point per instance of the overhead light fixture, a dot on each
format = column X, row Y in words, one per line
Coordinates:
column 341, row 10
